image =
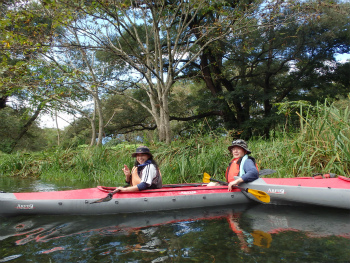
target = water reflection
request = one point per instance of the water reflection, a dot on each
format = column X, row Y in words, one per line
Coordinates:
column 19, row 185
column 260, row 231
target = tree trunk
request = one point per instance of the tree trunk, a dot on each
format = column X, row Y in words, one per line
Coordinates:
column 100, row 121
column 57, row 128
column 3, row 101
column 27, row 126
column 93, row 132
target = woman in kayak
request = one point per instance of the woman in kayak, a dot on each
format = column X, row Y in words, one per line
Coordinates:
column 144, row 175
column 242, row 168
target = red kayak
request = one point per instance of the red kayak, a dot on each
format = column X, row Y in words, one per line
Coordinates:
column 95, row 200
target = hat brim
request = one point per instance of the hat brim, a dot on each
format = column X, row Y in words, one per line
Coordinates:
column 230, row 148
column 134, row 154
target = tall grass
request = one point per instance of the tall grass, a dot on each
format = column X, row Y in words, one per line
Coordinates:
column 324, row 139
column 321, row 146
column 100, row 164
column 185, row 161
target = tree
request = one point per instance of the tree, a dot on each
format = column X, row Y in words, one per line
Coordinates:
column 249, row 73
column 83, row 78
column 20, row 131
column 150, row 43
column 24, row 32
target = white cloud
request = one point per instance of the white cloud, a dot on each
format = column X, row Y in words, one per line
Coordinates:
column 342, row 58
column 49, row 121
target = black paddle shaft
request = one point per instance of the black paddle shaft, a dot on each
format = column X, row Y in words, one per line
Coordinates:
column 222, row 182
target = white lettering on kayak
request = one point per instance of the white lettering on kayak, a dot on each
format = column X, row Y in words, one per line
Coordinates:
column 19, row 206
column 188, row 192
column 276, row 191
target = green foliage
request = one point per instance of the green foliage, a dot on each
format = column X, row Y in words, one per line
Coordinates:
column 24, row 32
column 78, row 133
column 186, row 160
column 325, row 133
column 276, row 58
column 249, row 75
column 322, row 145
column 12, row 122
column 270, row 64
column 124, row 116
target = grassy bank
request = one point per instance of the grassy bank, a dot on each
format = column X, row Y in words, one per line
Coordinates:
column 321, row 146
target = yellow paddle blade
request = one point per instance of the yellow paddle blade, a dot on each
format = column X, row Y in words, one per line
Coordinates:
column 260, row 195
column 206, row 178
column 261, row 238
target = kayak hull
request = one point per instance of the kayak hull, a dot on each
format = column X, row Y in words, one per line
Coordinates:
column 330, row 192
column 79, row 202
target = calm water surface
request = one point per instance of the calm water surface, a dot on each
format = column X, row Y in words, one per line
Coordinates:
column 259, row 233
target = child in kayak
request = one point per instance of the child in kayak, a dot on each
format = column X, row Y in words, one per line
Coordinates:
column 242, row 168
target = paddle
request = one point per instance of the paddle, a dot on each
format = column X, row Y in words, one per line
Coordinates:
column 182, row 185
column 107, row 198
column 260, row 195
column 110, row 195
column 266, row 172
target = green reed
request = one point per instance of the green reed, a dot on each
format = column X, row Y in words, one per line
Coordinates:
column 324, row 139
column 321, row 146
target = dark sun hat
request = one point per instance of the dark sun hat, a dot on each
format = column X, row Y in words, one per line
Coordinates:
column 142, row 149
column 241, row 143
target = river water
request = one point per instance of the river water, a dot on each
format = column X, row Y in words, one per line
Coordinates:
column 258, row 233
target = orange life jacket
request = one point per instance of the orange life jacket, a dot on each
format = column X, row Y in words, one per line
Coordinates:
column 233, row 169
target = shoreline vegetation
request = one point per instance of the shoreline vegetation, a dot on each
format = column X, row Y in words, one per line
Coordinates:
column 321, row 145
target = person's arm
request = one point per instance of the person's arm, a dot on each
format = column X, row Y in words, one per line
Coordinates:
column 128, row 189
column 251, row 173
column 148, row 173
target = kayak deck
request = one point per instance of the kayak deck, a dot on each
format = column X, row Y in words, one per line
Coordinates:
column 340, row 182
column 101, row 191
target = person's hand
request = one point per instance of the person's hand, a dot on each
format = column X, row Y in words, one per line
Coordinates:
column 116, row 190
column 231, row 184
column 126, row 170
column 234, row 183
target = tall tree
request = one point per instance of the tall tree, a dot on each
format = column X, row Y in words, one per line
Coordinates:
column 249, row 73
column 23, row 32
column 82, row 81
column 152, row 42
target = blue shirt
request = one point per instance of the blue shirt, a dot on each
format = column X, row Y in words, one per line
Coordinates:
column 251, row 173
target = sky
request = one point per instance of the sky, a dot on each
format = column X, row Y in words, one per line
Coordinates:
column 342, row 57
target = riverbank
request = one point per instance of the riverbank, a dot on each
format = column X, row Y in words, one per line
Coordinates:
column 180, row 162
column 321, row 145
